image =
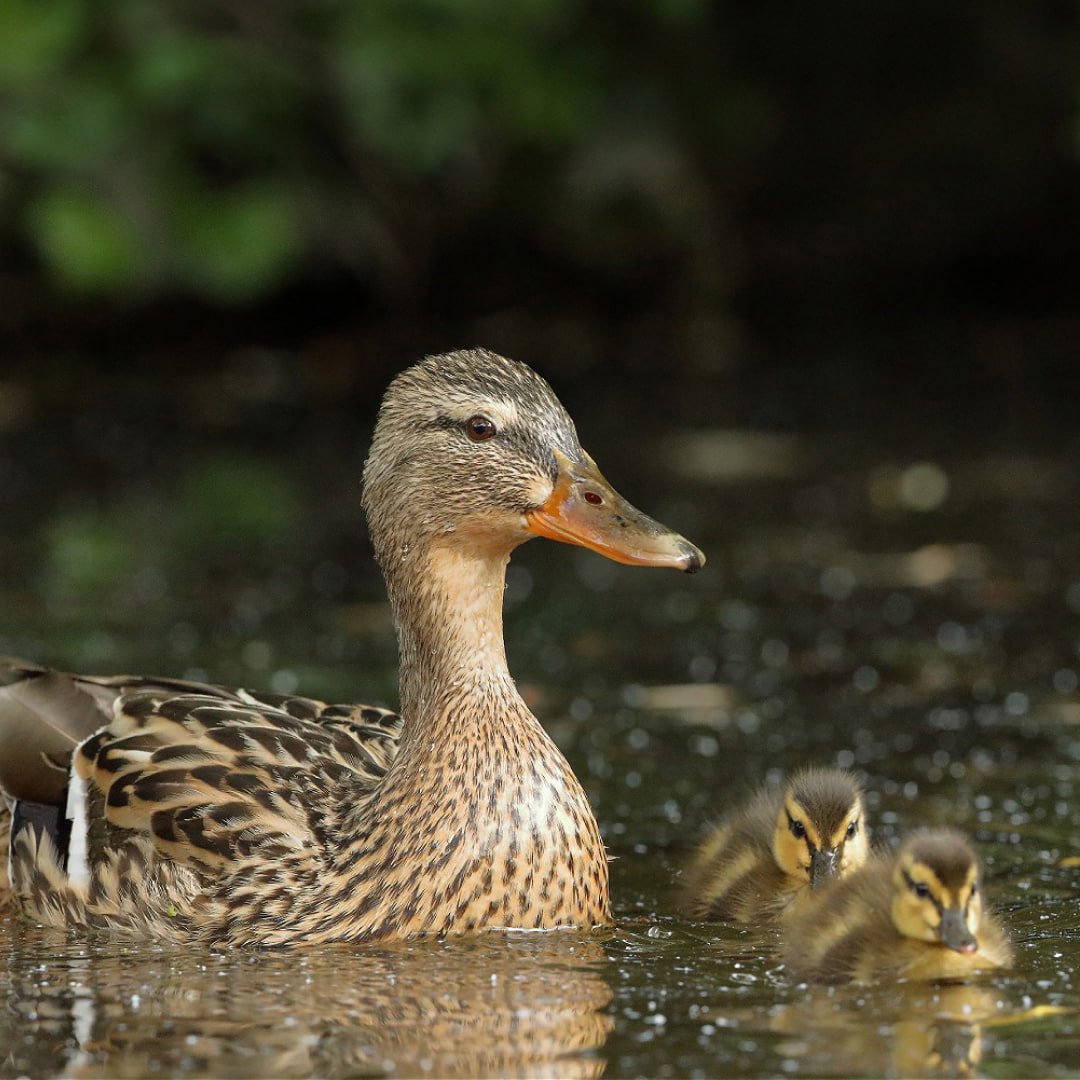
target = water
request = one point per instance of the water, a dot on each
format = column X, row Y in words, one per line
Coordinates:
column 906, row 612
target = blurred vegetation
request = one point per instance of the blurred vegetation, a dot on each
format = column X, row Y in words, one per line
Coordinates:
column 223, row 225
column 789, row 157
column 214, row 147
column 234, row 512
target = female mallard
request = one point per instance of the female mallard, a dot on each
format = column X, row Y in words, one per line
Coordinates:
column 918, row 914
column 779, row 847
column 237, row 817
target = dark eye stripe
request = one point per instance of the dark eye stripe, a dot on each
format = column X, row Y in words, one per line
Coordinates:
column 513, row 438
column 922, row 890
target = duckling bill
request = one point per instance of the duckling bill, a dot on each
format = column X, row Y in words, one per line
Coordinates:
column 918, row 914
column 197, row 811
column 778, row 848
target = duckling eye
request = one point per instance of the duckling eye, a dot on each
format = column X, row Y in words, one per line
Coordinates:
column 798, row 829
column 480, row 428
column 922, row 890
column 852, row 829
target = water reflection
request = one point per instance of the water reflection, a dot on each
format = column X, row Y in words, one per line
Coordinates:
column 905, row 1030
column 505, row 1006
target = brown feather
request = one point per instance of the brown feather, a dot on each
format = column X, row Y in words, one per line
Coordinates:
column 274, row 819
column 43, row 714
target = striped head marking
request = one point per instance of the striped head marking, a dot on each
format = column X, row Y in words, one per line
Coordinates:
column 820, row 829
column 475, row 451
column 937, row 893
column 464, row 444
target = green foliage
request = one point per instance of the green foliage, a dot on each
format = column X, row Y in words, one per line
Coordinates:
column 152, row 146
column 162, row 145
column 88, row 554
column 86, row 241
column 233, row 244
column 226, row 510
column 421, row 79
column 236, row 501
column 37, row 39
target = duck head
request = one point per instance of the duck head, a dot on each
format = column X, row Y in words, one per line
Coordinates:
column 476, row 449
column 820, row 831
column 937, row 895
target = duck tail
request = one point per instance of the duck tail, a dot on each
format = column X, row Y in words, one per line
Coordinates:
column 44, row 714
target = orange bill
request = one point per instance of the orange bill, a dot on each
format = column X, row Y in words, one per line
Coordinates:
column 584, row 509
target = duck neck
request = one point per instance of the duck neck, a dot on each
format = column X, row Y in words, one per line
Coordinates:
column 448, row 601
column 479, row 820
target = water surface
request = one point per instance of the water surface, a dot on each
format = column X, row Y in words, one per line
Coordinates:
column 906, row 611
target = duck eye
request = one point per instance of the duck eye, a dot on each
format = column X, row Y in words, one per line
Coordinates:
column 852, row 829
column 480, row 428
column 798, row 829
column 922, row 889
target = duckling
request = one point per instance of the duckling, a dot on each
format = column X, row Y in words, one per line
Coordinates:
column 778, row 848
column 199, row 812
column 917, row 914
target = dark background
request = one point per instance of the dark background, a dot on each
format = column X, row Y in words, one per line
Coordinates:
column 852, row 197
column 223, row 227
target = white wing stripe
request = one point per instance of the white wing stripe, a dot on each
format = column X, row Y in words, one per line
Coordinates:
column 78, row 864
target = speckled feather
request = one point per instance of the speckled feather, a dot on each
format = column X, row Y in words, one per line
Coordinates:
column 279, row 821
column 206, row 809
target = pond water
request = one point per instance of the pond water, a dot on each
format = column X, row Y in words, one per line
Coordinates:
column 907, row 611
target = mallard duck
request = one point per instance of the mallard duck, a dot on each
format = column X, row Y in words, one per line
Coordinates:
column 917, row 914
column 196, row 811
column 778, row 848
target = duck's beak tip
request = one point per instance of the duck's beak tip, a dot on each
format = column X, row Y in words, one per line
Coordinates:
column 693, row 558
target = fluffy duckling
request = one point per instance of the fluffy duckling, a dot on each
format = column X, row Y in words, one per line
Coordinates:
column 917, row 914
column 778, row 848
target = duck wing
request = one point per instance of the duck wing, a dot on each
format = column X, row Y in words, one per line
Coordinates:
column 44, row 713
column 175, row 786
column 214, row 782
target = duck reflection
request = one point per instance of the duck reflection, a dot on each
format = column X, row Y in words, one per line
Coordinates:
column 910, row 1029
column 514, row 1005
